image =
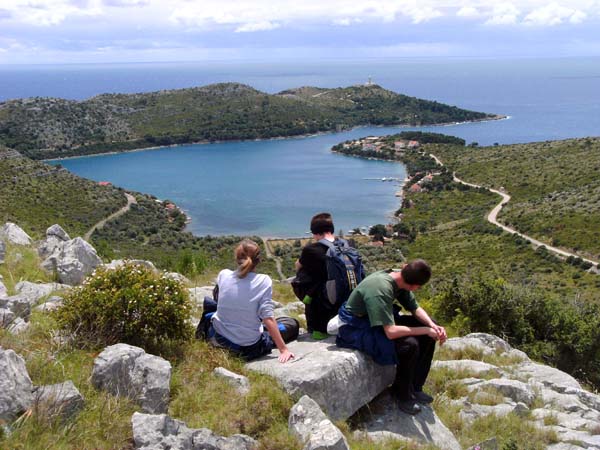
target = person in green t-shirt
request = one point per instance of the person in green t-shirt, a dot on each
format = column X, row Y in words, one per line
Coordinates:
column 371, row 323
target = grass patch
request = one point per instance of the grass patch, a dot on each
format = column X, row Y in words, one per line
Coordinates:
column 22, row 264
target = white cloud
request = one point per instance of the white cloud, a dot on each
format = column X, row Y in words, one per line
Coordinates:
column 256, row 26
column 50, row 12
column 468, row 11
column 504, row 14
column 554, row 14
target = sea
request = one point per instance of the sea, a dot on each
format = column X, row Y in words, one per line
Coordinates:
column 272, row 188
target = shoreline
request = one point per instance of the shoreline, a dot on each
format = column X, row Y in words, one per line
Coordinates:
column 278, row 138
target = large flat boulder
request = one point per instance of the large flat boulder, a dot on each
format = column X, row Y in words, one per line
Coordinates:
column 15, row 386
column 340, row 380
column 13, row 234
column 161, row 432
column 129, row 371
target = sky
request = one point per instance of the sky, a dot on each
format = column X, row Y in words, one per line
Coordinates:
column 101, row 31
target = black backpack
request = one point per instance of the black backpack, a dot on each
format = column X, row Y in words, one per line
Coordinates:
column 344, row 270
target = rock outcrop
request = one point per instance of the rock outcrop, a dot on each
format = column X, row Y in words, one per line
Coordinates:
column 13, row 234
column 161, row 432
column 533, row 391
column 239, row 382
column 308, row 423
column 55, row 237
column 72, row 261
column 2, row 251
column 387, row 422
column 61, row 400
column 129, row 371
column 15, row 386
column 323, row 372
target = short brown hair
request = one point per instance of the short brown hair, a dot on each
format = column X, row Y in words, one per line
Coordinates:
column 321, row 223
column 416, row 272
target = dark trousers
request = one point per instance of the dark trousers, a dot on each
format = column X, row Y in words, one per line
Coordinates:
column 414, row 359
column 318, row 313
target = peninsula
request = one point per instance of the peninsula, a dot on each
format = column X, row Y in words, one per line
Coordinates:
column 45, row 128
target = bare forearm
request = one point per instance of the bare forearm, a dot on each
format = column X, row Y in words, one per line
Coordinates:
column 423, row 317
column 273, row 330
column 399, row 331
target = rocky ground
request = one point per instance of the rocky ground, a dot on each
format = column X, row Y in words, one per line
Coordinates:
column 482, row 375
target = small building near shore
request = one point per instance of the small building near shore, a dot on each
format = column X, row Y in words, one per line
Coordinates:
column 104, row 183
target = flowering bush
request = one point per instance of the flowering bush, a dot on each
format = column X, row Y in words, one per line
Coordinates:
column 130, row 304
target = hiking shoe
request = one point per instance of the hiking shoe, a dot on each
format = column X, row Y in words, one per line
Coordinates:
column 319, row 335
column 422, row 397
column 409, row 407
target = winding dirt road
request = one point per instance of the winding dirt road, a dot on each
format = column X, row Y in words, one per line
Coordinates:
column 130, row 201
column 275, row 258
column 493, row 214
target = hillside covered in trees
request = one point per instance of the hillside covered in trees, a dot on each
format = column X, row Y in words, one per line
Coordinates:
column 44, row 128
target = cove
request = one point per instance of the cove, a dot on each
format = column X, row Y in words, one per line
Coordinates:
column 268, row 188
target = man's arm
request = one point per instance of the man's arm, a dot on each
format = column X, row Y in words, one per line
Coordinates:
column 424, row 318
column 398, row 331
column 284, row 354
column 298, row 265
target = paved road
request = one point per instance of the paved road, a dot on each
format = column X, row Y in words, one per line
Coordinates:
column 130, row 201
column 493, row 214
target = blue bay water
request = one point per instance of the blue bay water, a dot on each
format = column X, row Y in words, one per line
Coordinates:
column 273, row 187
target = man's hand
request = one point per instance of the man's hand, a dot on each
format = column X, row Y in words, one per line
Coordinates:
column 441, row 334
column 285, row 356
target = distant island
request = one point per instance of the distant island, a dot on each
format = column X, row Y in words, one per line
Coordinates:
column 45, row 128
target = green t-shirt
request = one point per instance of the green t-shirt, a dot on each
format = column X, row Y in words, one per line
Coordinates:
column 375, row 297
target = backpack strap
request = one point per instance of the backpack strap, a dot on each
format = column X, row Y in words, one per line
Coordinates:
column 339, row 242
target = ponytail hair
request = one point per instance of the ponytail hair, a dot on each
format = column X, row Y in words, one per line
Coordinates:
column 247, row 256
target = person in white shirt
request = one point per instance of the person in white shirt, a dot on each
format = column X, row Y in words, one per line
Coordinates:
column 245, row 309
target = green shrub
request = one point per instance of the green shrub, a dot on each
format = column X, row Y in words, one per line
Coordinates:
column 130, row 304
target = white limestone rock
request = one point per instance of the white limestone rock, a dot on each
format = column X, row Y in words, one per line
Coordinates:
column 474, row 368
column 2, row 251
column 6, row 317
column 15, row 386
column 116, row 263
column 387, row 421
column 161, row 432
column 35, row 291
column 239, row 382
column 548, row 376
column 323, row 372
column 58, row 232
column 197, row 294
column 291, row 309
column 72, row 261
column 126, row 370
column 13, row 234
column 3, row 290
column 517, row 391
column 55, row 237
column 18, row 304
column 58, row 400
column 177, row 277
column 18, row 326
column 308, row 423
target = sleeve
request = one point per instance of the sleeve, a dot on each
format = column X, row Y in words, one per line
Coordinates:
column 380, row 312
column 265, row 305
column 409, row 302
column 308, row 256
